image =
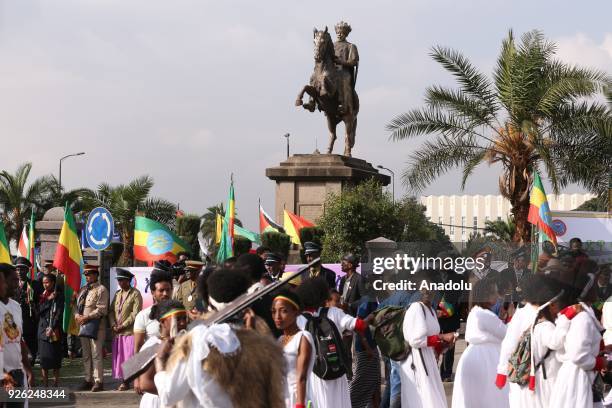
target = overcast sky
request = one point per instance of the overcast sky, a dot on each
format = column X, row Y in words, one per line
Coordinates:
column 189, row 91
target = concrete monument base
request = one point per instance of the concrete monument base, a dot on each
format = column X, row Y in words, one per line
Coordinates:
column 304, row 181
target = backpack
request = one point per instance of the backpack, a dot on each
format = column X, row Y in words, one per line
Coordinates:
column 389, row 332
column 519, row 365
column 330, row 355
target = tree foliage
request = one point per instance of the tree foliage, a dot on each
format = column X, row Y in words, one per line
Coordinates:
column 187, row 228
column 366, row 212
column 536, row 114
column 500, row 229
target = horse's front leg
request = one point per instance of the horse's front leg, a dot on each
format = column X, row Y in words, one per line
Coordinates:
column 311, row 104
column 298, row 100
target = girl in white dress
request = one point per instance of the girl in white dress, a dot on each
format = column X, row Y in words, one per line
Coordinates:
column 314, row 293
column 545, row 336
column 484, row 333
column 172, row 318
column 420, row 377
column 297, row 346
column 580, row 358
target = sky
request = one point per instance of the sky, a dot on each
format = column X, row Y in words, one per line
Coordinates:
column 190, row 91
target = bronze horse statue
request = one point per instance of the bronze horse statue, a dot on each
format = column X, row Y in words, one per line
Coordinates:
column 326, row 92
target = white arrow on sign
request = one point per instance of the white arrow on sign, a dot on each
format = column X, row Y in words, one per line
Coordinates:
column 108, row 229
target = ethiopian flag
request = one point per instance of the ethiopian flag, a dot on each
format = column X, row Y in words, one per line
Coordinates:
column 446, row 308
column 5, row 254
column 69, row 261
column 539, row 211
column 153, row 241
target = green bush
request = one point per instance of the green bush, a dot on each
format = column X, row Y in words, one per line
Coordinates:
column 365, row 212
column 277, row 242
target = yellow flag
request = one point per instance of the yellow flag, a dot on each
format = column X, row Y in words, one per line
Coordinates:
column 290, row 229
column 219, row 229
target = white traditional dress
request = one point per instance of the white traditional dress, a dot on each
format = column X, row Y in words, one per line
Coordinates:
column 522, row 320
column 331, row 393
column 575, row 377
column 188, row 383
column 420, row 377
column 546, row 338
column 291, row 351
column 474, row 386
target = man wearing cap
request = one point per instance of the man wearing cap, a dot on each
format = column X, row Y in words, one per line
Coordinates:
column 28, row 294
column 188, row 291
column 46, row 269
column 273, row 266
column 92, row 308
column 121, row 316
column 352, row 286
column 312, row 252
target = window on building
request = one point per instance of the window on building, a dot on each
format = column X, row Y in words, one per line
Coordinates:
column 452, row 225
column 499, row 218
column 475, row 223
column 487, row 218
column 463, row 225
column 439, row 220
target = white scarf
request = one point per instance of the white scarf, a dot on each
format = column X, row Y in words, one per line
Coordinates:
column 219, row 336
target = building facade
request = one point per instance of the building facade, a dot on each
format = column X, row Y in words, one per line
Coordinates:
column 462, row 215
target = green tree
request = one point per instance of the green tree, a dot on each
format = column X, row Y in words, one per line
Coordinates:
column 365, row 212
column 187, row 228
column 500, row 229
column 18, row 196
column 125, row 202
column 56, row 196
column 594, row 204
column 536, row 113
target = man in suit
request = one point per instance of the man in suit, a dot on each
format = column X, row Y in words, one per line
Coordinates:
column 514, row 275
column 312, row 252
column 352, row 285
column 28, row 295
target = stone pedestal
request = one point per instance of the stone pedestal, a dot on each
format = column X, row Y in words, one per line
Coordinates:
column 304, row 181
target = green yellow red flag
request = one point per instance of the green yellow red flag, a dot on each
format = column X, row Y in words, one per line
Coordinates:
column 153, row 241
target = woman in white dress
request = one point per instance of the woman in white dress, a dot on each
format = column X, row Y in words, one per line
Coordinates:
column 314, row 293
column 420, row 377
column 172, row 318
column 297, row 346
column 580, row 358
column 484, row 333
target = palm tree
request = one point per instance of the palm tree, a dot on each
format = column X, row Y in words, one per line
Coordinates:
column 502, row 230
column 18, row 198
column 537, row 113
column 57, row 196
column 125, row 202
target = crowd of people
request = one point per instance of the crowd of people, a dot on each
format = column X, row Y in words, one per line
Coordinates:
column 534, row 338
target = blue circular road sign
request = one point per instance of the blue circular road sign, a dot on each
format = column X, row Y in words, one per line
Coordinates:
column 99, row 228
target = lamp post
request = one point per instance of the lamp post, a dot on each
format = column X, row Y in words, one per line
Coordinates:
column 287, row 137
column 392, row 179
column 60, row 166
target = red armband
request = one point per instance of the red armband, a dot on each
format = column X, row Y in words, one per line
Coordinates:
column 300, row 406
column 570, row 312
column 360, row 326
column 600, row 363
column 500, row 381
column 433, row 341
